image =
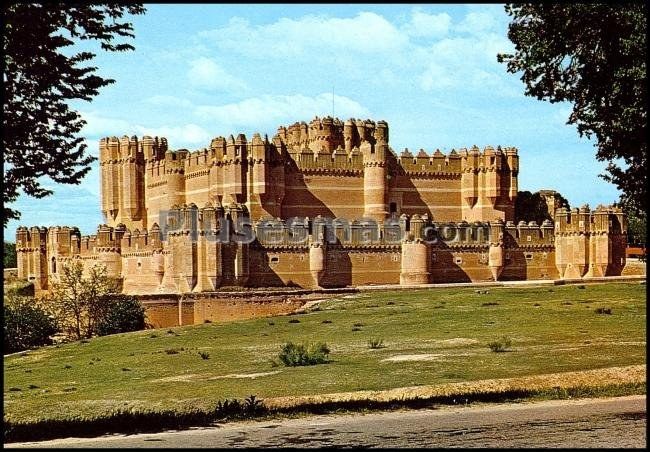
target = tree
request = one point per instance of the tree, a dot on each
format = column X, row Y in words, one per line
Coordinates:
column 125, row 313
column 40, row 130
column 594, row 56
column 25, row 325
column 9, row 256
column 79, row 302
column 533, row 206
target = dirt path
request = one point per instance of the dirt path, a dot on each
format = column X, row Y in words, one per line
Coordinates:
column 613, row 422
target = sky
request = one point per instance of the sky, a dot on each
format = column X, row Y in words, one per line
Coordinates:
column 206, row 70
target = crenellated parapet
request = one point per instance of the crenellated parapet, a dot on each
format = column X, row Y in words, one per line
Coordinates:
column 590, row 243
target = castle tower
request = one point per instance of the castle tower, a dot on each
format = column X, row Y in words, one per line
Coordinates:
column 317, row 260
column 469, row 181
column 109, row 156
column 208, row 252
column 31, row 253
column 175, row 175
column 415, row 262
column 512, row 158
column 492, row 169
column 374, row 154
column 131, row 184
column 495, row 252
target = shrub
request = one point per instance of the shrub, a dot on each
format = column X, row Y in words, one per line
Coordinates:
column 301, row 355
column 326, row 321
column 607, row 311
column 26, row 325
column 294, row 321
column 500, row 345
column 125, row 313
column 253, row 405
column 171, row 351
column 356, row 328
column 375, row 343
column 204, row 355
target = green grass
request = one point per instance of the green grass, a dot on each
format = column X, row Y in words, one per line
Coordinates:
column 451, row 326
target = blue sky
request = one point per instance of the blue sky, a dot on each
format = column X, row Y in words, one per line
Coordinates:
column 430, row 71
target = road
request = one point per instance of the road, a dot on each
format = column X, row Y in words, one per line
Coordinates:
column 613, row 422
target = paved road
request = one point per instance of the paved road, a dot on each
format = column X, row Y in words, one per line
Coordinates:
column 614, row 422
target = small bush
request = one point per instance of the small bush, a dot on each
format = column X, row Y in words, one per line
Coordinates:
column 125, row 313
column 375, row 343
column 301, row 355
column 207, row 321
column 271, row 323
column 358, row 324
column 171, row 351
column 500, row 345
column 581, row 287
column 294, row 321
column 490, row 303
column 253, row 405
column 204, row 355
column 326, row 321
column 607, row 311
column 356, row 328
column 390, row 303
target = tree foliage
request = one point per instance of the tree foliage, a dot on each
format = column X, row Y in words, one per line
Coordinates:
column 80, row 302
column 125, row 313
column 26, row 325
column 594, row 56
column 533, row 206
column 40, row 130
column 9, row 256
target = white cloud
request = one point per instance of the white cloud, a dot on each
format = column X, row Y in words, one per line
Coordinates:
column 466, row 62
column 187, row 135
column 271, row 111
column 366, row 32
column 428, row 25
column 205, row 73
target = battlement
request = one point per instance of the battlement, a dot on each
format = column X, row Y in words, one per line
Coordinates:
column 583, row 220
column 115, row 150
column 324, row 136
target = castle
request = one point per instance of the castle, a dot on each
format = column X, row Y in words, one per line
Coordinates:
column 324, row 204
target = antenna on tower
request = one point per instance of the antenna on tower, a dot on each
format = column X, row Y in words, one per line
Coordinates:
column 333, row 102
